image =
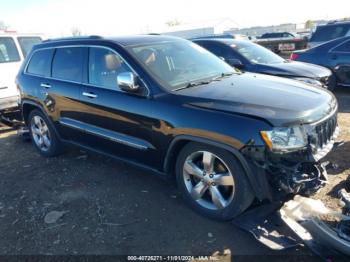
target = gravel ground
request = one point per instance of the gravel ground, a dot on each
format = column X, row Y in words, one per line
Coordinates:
column 83, row 203
column 339, row 177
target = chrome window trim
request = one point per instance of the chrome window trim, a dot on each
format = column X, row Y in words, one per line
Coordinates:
column 106, row 134
column 332, row 50
column 82, row 83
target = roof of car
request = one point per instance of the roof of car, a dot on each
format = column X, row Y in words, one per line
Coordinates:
column 227, row 41
column 121, row 40
column 346, row 22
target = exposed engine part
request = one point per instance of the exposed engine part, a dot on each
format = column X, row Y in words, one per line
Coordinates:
column 304, row 178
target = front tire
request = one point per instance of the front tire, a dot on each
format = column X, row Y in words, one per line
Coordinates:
column 212, row 181
column 43, row 135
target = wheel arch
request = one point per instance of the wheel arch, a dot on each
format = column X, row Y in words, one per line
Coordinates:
column 180, row 141
column 337, row 70
column 28, row 106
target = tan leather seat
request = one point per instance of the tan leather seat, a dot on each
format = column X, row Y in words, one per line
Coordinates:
column 112, row 62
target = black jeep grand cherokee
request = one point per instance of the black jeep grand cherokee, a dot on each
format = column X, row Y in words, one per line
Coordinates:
column 168, row 105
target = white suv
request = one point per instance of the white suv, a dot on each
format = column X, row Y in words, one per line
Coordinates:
column 13, row 49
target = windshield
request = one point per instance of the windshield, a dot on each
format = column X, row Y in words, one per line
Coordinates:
column 179, row 63
column 257, row 54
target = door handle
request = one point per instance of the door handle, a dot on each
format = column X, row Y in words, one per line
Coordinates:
column 45, row 85
column 90, row 95
column 334, row 57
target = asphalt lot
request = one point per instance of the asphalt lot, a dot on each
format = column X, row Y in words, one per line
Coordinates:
column 109, row 208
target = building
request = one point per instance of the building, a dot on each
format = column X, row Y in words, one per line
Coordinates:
column 203, row 28
column 259, row 30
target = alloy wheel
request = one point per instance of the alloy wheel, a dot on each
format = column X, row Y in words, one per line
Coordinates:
column 40, row 133
column 208, row 180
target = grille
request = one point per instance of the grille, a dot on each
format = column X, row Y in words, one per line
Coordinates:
column 325, row 130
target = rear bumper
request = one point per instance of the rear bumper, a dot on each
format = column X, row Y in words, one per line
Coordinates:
column 8, row 103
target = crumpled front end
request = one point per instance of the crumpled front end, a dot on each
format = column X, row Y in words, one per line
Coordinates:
column 299, row 172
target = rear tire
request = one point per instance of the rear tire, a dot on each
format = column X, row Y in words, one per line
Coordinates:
column 212, row 181
column 43, row 135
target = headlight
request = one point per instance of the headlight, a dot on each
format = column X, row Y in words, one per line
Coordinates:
column 285, row 138
column 309, row 81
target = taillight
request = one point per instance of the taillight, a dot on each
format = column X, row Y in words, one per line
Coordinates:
column 293, row 56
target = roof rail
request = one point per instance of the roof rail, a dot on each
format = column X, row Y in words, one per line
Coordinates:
column 74, row 38
column 338, row 22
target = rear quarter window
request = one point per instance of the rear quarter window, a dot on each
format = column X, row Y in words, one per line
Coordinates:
column 330, row 32
column 8, row 50
column 68, row 64
column 40, row 62
column 27, row 42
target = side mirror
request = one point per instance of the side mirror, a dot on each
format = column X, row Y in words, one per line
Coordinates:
column 127, row 82
column 235, row 62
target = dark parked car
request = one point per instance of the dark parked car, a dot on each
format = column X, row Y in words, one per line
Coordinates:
column 334, row 54
column 330, row 31
column 251, row 57
column 277, row 35
column 167, row 105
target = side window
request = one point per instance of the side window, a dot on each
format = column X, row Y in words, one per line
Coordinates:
column 40, row 62
column 214, row 48
column 229, row 53
column 345, row 47
column 104, row 67
column 26, row 43
column 68, row 64
column 8, row 50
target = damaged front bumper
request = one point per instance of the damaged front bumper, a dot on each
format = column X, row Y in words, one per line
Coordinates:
column 299, row 172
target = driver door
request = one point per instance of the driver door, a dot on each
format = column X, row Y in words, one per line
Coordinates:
column 114, row 122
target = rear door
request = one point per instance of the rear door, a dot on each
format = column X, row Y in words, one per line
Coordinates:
column 62, row 90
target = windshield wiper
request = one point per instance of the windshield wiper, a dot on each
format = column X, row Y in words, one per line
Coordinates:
column 192, row 84
column 222, row 75
column 199, row 83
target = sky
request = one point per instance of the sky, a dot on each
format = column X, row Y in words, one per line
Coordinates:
column 115, row 17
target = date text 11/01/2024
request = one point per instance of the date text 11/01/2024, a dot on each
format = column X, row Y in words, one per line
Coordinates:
column 172, row 258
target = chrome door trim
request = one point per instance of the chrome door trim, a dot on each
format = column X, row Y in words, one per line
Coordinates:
column 90, row 95
column 333, row 51
column 45, row 85
column 106, row 134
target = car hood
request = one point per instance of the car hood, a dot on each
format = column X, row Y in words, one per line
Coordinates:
column 295, row 69
column 280, row 101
